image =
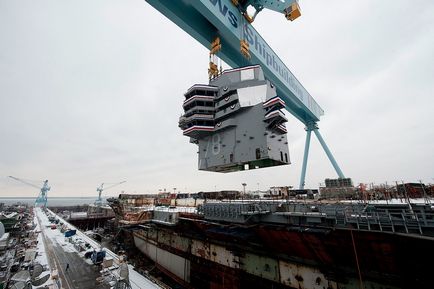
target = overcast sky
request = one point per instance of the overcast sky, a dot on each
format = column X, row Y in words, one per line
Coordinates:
column 89, row 93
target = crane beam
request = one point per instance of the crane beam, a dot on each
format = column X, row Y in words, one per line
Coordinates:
column 206, row 19
column 278, row 6
column 227, row 20
column 42, row 197
column 281, row 6
column 114, row 185
column 101, row 188
column 24, row 182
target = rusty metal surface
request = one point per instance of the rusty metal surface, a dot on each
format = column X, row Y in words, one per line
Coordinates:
column 87, row 223
column 134, row 218
column 294, row 257
column 178, row 266
column 287, row 250
column 262, row 266
column 379, row 254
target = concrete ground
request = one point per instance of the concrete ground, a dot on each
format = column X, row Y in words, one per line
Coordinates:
column 80, row 274
column 137, row 281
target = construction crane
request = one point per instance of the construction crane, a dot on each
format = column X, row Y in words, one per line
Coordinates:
column 101, row 188
column 41, row 200
column 225, row 27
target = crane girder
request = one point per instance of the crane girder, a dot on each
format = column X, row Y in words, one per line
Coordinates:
column 24, row 182
column 113, row 185
column 206, row 19
column 42, row 197
column 281, row 6
column 101, row 188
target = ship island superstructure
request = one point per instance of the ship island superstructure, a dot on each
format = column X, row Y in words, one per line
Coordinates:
column 237, row 122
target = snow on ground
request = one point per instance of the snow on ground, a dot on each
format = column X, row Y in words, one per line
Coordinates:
column 137, row 280
column 55, row 235
column 79, row 215
column 176, row 209
column 41, row 257
column 391, row 201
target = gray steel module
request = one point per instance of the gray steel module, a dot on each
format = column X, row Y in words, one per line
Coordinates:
column 237, row 122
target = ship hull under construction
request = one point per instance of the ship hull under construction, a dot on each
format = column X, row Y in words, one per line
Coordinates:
column 202, row 254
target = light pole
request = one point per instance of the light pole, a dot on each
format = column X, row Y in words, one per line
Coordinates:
column 289, row 191
column 244, row 189
column 424, row 192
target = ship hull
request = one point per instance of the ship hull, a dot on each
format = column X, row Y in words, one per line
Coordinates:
column 201, row 254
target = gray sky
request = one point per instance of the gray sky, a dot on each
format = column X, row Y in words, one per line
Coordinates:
column 87, row 94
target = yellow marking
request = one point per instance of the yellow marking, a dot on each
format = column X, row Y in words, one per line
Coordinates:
column 247, row 17
column 213, row 70
column 244, row 48
column 293, row 12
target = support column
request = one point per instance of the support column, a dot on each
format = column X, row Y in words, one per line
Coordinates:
column 329, row 154
column 305, row 157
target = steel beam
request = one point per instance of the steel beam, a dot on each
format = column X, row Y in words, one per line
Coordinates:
column 206, row 19
column 328, row 153
column 305, row 157
column 278, row 6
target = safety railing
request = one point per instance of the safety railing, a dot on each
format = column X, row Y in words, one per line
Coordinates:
column 403, row 221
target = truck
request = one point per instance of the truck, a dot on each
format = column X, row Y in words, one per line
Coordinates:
column 97, row 256
column 70, row 233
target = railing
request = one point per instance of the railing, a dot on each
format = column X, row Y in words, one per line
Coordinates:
column 402, row 221
column 395, row 219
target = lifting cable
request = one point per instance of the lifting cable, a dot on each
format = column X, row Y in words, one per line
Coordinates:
column 213, row 70
column 357, row 260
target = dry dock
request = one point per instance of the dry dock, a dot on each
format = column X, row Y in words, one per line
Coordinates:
column 81, row 272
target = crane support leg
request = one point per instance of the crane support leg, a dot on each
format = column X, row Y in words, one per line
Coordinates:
column 328, row 153
column 305, row 157
column 312, row 126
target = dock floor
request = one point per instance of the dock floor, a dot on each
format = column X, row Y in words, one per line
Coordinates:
column 80, row 274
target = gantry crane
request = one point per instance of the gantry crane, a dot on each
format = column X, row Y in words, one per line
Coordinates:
column 225, row 27
column 41, row 200
column 101, row 188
